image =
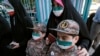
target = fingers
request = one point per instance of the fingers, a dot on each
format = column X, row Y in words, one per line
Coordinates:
column 47, row 41
column 82, row 51
column 79, row 48
column 87, row 54
column 16, row 45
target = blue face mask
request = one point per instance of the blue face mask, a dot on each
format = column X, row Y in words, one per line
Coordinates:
column 64, row 44
column 35, row 36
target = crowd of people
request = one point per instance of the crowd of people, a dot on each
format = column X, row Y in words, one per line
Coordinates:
column 66, row 34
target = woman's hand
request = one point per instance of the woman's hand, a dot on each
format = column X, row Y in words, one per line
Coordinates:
column 16, row 45
column 82, row 51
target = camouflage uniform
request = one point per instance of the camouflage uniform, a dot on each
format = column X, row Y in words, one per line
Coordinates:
column 56, row 51
column 36, row 48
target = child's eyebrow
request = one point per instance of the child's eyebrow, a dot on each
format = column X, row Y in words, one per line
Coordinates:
column 63, row 36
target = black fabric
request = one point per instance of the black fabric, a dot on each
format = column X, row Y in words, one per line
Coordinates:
column 4, row 26
column 20, row 32
column 70, row 13
column 90, row 20
column 97, row 52
column 5, row 31
column 5, row 36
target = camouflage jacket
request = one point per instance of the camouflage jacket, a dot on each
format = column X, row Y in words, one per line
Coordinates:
column 36, row 48
column 56, row 51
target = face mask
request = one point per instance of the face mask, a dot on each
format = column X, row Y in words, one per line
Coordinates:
column 57, row 11
column 35, row 36
column 64, row 44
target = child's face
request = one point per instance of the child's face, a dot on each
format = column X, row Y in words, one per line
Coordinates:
column 67, row 37
column 38, row 35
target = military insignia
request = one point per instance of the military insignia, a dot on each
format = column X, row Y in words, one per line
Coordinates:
column 63, row 24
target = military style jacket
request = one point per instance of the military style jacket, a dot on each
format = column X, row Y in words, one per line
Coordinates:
column 36, row 48
column 56, row 51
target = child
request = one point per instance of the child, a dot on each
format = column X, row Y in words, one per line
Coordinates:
column 37, row 45
column 67, row 37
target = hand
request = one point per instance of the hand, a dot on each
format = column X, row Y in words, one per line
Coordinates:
column 47, row 41
column 41, row 34
column 82, row 51
column 16, row 45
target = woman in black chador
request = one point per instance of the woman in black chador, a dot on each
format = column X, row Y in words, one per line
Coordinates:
column 63, row 9
column 20, row 32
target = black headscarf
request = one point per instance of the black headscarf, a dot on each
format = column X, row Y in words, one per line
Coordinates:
column 70, row 13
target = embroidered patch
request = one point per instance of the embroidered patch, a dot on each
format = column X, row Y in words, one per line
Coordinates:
column 63, row 24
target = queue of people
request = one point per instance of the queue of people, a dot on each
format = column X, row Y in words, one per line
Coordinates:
column 64, row 35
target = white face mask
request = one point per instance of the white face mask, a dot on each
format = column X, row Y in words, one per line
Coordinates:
column 58, row 12
column 64, row 47
column 64, row 44
column 36, row 36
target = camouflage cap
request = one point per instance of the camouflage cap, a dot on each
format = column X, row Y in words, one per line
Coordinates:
column 68, row 26
column 39, row 26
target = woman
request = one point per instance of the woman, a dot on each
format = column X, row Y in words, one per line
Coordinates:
column 63, row 9
column 20, row 32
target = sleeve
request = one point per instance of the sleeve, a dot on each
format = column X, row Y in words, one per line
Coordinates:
column 27, row 36
column 90, row 20
column 85, row 40
column 48, row 25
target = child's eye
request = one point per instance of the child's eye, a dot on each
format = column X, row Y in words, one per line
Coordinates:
column 64, row 37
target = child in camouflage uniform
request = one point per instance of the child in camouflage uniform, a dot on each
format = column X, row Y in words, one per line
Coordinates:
column 37, row 45
column 67, row 37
